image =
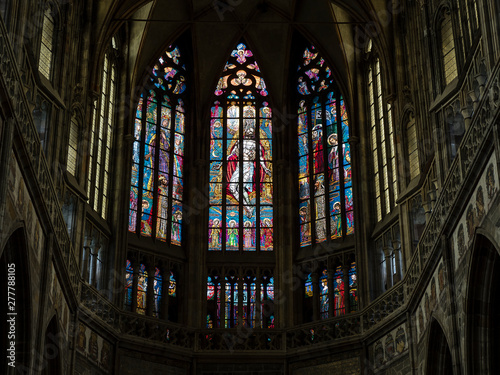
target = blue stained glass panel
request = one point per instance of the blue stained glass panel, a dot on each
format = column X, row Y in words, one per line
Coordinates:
column 304, row 189
column 172, row 286
column 331, row 113
column 304, row 212
column 302, row 123
column 138, row 112
column 166, row 114
column 216, row 149
column 216, row 111
column 178, row 166
column 347, row 153
column 216, row 172
column 164, row 162
column 336, row 226
column 305, row 234
column 177, row 188
column 308, row 286
column 347, row 176
column 303, row 145
column 215, row 217
column 304, row 166
column 137, row 129
column 151, row 114
column 164, row 139
column 179, row 144
column 179, row 122
column 348, row 199
column 216, row 128
column 335, row 205
column 147, row 182
column 163, row 183
column 350, row 222
column 142, row 288
column 266, row 128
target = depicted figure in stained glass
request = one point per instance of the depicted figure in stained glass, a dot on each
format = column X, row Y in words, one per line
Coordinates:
column 266, row 235
column 215, row 234
column 338, row 292
column 232, row 234
column 142, row 287
column 251, row 173
column 248, row 235
column 318, row 103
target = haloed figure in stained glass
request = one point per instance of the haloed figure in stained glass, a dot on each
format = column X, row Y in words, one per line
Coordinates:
column 240, row 189
column 251, row 172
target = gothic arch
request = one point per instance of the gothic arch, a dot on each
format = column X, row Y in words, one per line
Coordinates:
column 439, row 360
column 52, row 349
column 482, row 307
column 15, row 252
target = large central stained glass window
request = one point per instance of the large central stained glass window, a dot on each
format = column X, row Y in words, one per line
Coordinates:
column 325, row 185
column 241, row 190
column 157, row 180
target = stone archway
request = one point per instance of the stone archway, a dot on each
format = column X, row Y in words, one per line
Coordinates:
column 16, row 308
column 438, row 352
column 483, row 309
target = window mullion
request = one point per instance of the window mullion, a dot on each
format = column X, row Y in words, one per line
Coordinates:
column 223, row 225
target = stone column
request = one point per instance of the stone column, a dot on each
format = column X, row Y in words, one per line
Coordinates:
column 5, row 160
column 347, row 301
column 93, row 275
column 165, row 276
column 396, row 244
column 135, row 265
column 150, row 296
column 331, row 296
column 258, row 303
column 388, row 266
column 315, row 296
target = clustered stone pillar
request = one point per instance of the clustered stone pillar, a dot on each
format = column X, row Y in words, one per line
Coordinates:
column 396, row 244
column 330, row 292
column 315, row 282
column 135, row 265
column 150, row 296
column 347, row 301
column 165, row 276
column 388, row 266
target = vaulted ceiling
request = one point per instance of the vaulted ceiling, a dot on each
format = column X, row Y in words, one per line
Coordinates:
column 215, row 26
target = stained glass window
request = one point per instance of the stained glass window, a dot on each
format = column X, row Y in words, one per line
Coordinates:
column 323, row 298
column 157, row 179
column 172, row 286
column 142, row 290
column 231, row 302
column 338, row 292
column 213, row 302
column 101, row 140
column 47, row 44
column 240, row 186
column 157, row 292
column 353, row 287
column 309, row 286
column 129, row 280
column 382, row 144
column 325, row 185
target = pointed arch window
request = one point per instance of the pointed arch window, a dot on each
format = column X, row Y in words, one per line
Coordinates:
column 241, row 170
column 325, row 186
column 382, row 142
column 101, row 141
column 449, row 60
column 157, row 179
column 47, row 44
